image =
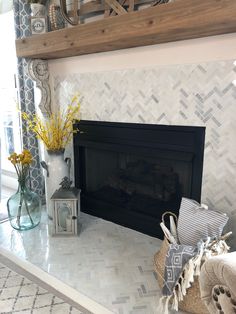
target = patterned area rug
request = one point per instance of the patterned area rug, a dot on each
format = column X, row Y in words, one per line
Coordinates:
column 20, row 295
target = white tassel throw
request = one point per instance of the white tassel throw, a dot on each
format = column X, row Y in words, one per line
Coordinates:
column 192, row 268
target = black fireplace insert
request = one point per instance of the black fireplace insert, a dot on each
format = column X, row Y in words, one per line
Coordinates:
column 132, row 173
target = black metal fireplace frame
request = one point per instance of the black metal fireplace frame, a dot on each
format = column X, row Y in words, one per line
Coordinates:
column 180, row 141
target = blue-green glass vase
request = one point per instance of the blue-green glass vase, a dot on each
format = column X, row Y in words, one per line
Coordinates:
column 24, row 208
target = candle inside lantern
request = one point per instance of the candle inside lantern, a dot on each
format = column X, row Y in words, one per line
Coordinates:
column 63, row 214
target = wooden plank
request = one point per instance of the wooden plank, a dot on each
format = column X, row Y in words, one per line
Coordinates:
column 107, row 10
column 182, row 19
column 98, row 6
column 91, row 6
column 75, row 10
column 131, row 5
column 122, row 2
column 116, row 7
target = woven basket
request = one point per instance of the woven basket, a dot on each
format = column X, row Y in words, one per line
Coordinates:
column 192, row 302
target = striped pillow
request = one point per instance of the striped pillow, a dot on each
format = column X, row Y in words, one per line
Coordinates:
column 196, row 222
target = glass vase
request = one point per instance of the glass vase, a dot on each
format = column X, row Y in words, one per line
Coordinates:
column 24, row 208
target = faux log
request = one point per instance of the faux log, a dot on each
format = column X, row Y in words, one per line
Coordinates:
column 178, row 20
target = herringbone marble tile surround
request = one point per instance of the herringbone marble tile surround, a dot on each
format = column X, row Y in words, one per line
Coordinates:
column 189, row 94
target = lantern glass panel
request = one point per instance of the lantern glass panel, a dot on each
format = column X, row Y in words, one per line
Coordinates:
column 64, row 214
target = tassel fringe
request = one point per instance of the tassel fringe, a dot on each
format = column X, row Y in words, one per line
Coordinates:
column 190, row 270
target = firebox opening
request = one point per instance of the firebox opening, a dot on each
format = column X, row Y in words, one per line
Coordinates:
column 133, row 182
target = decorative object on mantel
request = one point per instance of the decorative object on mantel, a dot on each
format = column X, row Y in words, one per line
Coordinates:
column 38, row 71
column 70, row 17
column 38, row 20
column 74, row 13
column 24, row 207
column 37, row 7
column 55, row 131
column 180, row 280
column 38, row 25
column 66, row 209
column 55, row 17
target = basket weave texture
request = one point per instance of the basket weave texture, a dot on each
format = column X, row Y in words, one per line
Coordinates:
column 192, row 302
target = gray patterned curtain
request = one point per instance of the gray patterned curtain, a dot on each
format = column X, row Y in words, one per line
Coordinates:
column 26, row 94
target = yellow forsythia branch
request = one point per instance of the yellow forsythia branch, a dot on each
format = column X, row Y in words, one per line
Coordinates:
column 56, row 130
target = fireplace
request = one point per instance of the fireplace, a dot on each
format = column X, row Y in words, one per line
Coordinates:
column 132, row 173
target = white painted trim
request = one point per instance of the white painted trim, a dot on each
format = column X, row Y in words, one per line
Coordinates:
column 9, row 182
column 56, row 284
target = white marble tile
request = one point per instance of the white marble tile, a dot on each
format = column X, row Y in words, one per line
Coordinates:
column 108, row 263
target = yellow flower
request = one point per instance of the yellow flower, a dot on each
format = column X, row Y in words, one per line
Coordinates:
column 57, row 130
column 21, row 162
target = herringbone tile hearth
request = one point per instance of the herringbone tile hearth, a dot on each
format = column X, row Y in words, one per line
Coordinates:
column 108, row 263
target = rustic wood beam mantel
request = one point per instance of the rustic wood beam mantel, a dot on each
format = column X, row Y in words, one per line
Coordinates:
column 178, row 20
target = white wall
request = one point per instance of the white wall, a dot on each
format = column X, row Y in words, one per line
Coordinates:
column 188, row 51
